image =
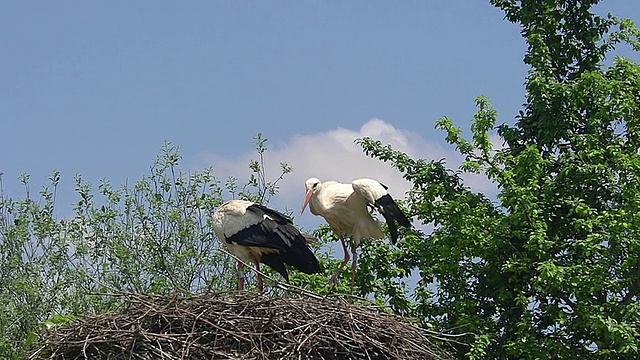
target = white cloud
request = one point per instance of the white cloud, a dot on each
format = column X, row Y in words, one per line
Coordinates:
column 497, row 142
column 333, row 155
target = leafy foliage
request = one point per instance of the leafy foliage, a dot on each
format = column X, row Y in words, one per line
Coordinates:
column 550, row 267
column 152, row 237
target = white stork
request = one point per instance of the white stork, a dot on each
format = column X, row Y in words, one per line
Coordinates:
column 345, row 208
column 255, row 233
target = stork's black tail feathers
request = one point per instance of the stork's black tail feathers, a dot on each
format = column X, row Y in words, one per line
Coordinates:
column 302, row 258
column 392, row 213
column 296, row 254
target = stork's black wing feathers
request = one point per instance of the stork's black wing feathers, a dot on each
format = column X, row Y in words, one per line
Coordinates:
column 272, row 232
column 392, row 213
column 276, row 231
column 275, row 215
column 276, row 262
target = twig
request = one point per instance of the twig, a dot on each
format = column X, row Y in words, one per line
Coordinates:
column 243, row 325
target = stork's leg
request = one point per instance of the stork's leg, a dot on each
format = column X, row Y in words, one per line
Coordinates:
column 240, row 275
column 334, row 278
column 260, row 285
column 354, row 265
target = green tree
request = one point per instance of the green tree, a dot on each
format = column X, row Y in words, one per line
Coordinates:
column 153, row 236
column 550, row 267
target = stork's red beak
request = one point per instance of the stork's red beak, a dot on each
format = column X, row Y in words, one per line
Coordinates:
column 307, row 197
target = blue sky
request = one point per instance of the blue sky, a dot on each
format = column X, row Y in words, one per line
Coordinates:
column 95, row 88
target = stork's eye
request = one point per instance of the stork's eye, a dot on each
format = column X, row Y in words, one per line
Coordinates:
column 315, row 185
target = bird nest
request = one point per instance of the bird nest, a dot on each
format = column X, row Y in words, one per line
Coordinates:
column 241, row 325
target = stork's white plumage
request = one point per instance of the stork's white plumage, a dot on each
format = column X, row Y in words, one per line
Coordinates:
column 345, row 208
column 258, row 234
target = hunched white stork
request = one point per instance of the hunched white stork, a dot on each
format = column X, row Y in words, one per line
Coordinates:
column 345, row 208
column 258, row 234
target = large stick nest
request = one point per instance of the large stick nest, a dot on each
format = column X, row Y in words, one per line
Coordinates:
column 240, row 326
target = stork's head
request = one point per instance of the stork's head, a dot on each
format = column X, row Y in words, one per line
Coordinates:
column 311, row 186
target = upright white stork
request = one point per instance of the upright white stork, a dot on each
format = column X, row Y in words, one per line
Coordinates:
column 258, row 234
column 345, row 208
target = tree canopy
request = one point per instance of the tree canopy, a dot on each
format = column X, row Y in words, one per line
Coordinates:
column 550, row 267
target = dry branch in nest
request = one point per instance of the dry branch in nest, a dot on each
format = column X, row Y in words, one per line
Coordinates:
column 240, row 325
